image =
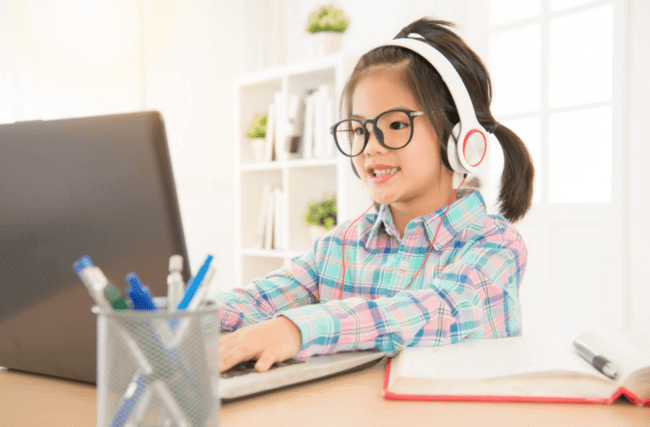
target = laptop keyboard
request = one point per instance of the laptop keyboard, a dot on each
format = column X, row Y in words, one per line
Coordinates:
column 248, row 367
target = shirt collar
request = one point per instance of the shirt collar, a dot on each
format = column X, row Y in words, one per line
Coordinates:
column 461, row 214
column 384, row 220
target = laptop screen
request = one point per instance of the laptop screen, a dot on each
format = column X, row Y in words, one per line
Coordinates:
column 98, row 186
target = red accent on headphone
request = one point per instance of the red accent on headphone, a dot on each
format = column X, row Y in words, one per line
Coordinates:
column 338, row 296
column 485, row 145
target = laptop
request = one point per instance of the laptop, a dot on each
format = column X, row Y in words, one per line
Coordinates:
column 100, row 186
column 243, row 381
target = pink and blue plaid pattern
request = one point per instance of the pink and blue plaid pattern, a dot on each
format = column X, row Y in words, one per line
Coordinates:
column 469, row 286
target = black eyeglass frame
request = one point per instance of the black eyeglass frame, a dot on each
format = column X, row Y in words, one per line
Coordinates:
column 378, row 133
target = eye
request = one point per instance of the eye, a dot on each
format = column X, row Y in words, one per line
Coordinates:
column 357, row 130
column 398, row 125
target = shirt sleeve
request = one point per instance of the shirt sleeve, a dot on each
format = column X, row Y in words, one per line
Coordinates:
column 262, row 299
column 476, row 295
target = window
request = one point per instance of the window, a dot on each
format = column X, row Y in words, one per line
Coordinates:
column 552, row 67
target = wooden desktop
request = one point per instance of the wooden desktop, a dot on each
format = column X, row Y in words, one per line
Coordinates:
column 350, row 399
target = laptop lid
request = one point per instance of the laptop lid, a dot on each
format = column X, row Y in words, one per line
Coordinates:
column 100, row 186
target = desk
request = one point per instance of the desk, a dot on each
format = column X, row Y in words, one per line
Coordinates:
column 353, row 399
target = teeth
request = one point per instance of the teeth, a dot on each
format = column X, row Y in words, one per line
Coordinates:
column 382, row 172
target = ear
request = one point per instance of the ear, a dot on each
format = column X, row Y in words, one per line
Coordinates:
column 452, row 151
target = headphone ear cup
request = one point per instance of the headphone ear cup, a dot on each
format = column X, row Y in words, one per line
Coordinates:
column 452, row 151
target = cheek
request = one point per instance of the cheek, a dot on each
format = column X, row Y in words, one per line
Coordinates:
column 358, row 165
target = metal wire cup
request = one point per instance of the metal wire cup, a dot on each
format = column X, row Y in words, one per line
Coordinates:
column 157, row 368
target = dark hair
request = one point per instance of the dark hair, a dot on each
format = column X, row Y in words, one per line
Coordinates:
column 516, row 189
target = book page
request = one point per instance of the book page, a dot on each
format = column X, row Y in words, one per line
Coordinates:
column 491, row 358
column 628, row 350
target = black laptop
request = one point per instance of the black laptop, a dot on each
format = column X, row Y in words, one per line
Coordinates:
column 100, row 186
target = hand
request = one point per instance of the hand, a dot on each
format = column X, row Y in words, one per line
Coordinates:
column 271, row 341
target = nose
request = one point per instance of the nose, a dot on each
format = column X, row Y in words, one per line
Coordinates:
column 374, row 135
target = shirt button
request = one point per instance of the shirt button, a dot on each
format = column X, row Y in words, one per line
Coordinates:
column 403, row 265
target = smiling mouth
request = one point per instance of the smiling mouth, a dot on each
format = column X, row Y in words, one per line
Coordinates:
column 382, row 172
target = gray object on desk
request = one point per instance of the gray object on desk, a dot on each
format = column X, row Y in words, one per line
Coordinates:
column 101, row 186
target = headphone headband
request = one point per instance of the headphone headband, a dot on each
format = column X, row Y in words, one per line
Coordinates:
column 470, row 131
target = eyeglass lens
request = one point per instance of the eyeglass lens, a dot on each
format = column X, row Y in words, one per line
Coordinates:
column 394, row 131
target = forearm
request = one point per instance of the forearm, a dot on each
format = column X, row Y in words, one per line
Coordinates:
column 443, row 313
column 261, row 299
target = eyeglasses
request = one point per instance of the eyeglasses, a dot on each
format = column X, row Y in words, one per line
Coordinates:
column 393, row 129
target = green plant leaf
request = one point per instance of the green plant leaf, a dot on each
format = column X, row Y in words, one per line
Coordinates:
column 258, row 127
column 327, row 19
column 322, row 214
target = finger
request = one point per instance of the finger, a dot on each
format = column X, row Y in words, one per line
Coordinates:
column 265, row 361
column 235, row 355
column 228, row 337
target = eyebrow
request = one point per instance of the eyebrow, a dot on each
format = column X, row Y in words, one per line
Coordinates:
column 356, row 116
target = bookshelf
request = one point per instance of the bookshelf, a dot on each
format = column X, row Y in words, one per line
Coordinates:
column 303, row 177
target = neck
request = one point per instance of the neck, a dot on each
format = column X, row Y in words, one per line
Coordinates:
column 405, row 212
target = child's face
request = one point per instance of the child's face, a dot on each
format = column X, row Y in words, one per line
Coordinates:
column 420, row 183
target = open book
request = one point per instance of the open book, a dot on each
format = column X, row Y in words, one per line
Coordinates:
column 528, row 368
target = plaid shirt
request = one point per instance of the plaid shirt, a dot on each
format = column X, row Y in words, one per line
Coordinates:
column 469, row 286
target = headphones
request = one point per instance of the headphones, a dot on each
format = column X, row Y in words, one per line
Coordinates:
column 467, row 145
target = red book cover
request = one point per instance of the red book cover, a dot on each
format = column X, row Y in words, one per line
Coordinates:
column 486, row 398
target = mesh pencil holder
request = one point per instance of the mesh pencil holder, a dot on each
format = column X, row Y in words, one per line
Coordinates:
column 157, row 368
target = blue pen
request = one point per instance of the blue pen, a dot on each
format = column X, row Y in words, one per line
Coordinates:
column 133, row 393
column 141, row 297
column 194, row 284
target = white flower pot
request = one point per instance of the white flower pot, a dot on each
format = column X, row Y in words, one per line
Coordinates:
column 258, row 149
column 327, row 42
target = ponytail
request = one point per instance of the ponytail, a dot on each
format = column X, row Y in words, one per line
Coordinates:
column 516, row 189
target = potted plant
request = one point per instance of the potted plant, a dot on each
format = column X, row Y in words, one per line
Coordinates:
column 321, row 217
column 327, row 26
column 257, row 134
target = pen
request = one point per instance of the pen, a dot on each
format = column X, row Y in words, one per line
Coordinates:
column 98, row 285
column 175, row 283
column 194, row 284
column 599, row 362
column 180, row 328
column 141, row 298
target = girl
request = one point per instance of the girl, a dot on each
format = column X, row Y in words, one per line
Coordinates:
column 425, row 270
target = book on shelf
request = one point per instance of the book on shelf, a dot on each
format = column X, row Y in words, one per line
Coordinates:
column 530, row 368
column 269, row 222
column 317, row 117
column 308, row 128
column 299, row 126
column 278, row 241
column 260, row 231
column 294, row 125
column 269, row 229
column 270, row 134
column 280, row 125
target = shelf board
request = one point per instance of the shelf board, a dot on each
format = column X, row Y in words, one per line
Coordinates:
column 294, row 163
column 270, row 253
column 262, row 253
column 262, row 166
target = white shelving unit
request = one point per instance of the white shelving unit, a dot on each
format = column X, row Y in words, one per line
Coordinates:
column 302, row 180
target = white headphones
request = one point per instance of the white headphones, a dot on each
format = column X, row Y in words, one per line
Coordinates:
column 468, row 131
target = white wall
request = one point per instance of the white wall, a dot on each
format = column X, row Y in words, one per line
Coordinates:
column 73, row 57
column 638, row 196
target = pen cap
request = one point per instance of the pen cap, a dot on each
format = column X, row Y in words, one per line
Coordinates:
column 175, row 263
